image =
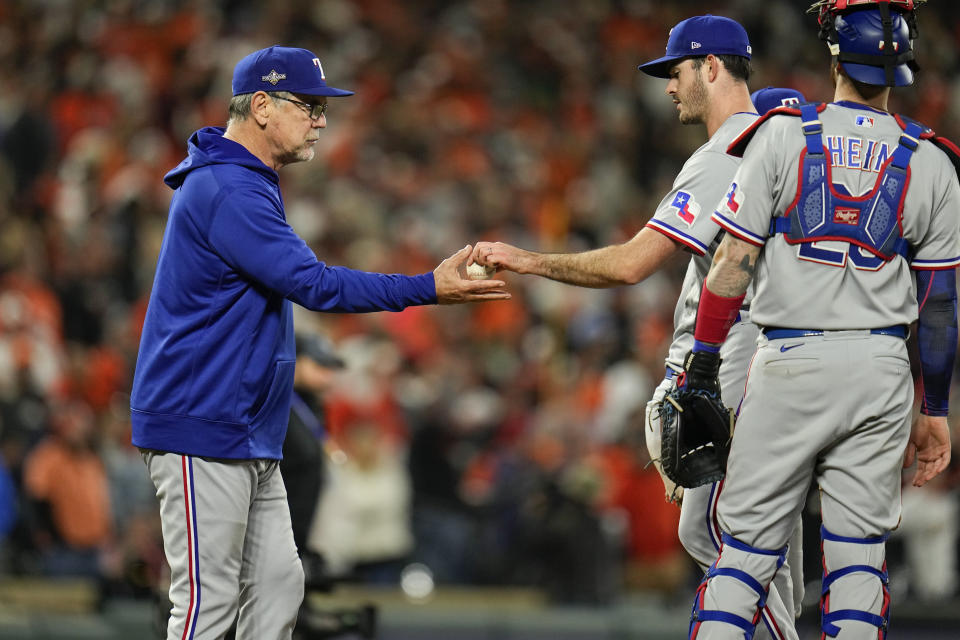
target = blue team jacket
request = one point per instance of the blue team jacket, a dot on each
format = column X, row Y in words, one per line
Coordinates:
column 214, row 374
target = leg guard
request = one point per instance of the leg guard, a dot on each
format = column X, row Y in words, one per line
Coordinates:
column 701, row 536
column 779, row 617
column 734, row 591
column 854, row 587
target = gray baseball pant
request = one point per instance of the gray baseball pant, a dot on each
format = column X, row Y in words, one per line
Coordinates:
column 229, row 543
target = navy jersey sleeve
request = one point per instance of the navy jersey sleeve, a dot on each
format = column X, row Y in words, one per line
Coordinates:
column 936, row 337
column 251, row 235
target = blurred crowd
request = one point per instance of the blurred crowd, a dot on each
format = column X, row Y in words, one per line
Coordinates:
column 492, row 444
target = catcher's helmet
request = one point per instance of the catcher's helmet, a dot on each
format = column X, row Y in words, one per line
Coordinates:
column 873, row 40
column 860, row 36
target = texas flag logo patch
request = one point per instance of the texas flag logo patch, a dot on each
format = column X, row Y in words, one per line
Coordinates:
column 687, row 208
column 734, row 199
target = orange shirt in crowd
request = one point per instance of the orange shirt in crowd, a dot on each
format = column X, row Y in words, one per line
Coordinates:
column 74, row 483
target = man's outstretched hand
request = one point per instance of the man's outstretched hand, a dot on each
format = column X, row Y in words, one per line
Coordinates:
column 929, row 445
column 503, row 257
column 453, row 288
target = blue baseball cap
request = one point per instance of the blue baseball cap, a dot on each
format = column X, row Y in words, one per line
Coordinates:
column 279, row 68
column 700, row 36
column 772, row 97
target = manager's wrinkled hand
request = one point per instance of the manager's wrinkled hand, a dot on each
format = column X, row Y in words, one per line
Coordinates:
column 453, row 288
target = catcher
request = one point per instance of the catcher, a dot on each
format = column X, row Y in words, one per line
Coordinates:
column 844, row 218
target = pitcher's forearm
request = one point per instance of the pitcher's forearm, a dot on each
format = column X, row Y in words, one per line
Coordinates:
column 620, row 264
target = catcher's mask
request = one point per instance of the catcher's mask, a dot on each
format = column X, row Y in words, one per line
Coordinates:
column 872, row 39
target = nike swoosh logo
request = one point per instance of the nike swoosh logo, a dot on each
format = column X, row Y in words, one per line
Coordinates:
column 787, row 347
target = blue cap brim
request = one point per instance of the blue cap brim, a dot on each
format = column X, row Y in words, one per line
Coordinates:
column 660, row 68
column 332, row 92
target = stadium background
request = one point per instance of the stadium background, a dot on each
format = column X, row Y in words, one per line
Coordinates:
column 515, row 426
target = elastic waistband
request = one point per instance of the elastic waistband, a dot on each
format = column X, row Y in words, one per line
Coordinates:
column 775, row 333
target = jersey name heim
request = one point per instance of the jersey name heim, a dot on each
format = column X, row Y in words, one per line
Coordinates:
column 856, row 153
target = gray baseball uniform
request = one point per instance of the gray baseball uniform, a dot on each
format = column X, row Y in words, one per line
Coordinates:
column 241, row 549
column 829, row 393
column 684, row 216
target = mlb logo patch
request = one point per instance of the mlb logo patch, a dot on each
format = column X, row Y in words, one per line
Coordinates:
column 846, row 215
column 865, row 121
column 687, row 208
column 734, row 199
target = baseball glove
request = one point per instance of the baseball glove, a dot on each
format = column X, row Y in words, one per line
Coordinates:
column 672, row 492
column 696, row 427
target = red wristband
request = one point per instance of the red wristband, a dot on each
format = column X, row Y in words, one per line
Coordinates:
column 715, row 316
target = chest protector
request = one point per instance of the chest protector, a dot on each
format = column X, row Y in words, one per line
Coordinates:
column 821, row 212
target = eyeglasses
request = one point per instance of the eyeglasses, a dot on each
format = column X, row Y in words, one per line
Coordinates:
column 313, row 110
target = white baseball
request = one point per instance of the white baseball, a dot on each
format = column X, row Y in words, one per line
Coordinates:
column 477, row 271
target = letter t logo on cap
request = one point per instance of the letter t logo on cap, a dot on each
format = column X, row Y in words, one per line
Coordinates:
column 316, row 61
